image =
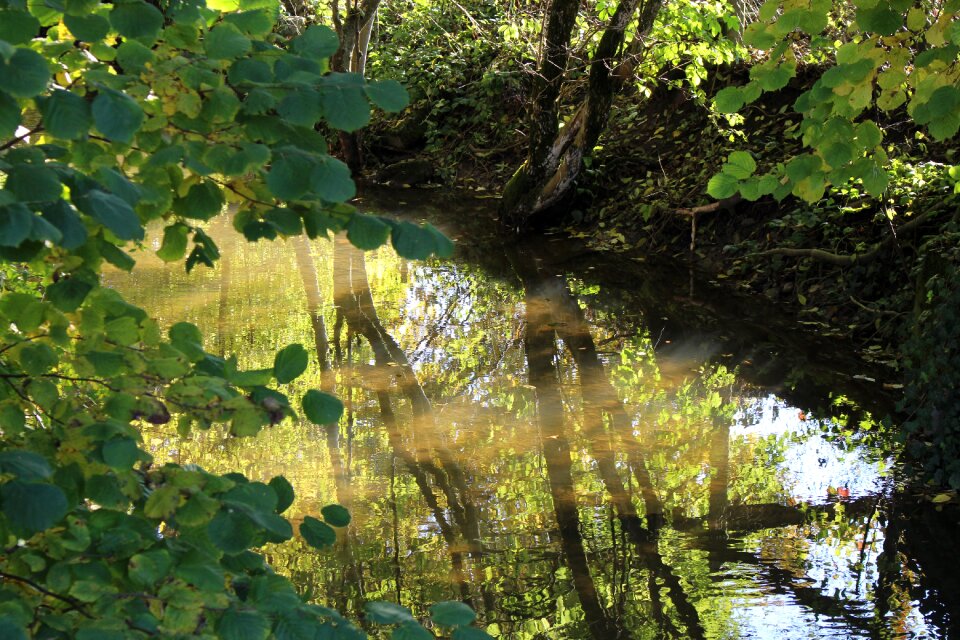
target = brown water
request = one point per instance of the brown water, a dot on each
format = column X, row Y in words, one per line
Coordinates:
column 579, row 447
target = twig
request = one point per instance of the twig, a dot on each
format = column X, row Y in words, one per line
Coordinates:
column 74, row 604
column 9, row 143
column 882, row 312
column 726, row 203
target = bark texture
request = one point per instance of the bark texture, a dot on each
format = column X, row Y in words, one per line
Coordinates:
column 555, row 157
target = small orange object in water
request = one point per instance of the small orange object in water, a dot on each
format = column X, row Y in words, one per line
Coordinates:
column 802, row 416
column 843, row 492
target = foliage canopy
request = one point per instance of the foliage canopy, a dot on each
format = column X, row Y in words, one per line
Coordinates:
column 888, row 55
column 115, row 116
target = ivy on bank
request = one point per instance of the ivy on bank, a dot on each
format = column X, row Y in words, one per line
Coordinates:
column 114, row 116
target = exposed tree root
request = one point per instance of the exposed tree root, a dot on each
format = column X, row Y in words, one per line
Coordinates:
column 857, row 258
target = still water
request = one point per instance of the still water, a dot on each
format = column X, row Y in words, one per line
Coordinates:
column 577, row 446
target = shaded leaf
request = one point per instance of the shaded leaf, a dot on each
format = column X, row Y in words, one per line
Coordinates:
column 317, row 534
column 336, row 515
column 322, row 408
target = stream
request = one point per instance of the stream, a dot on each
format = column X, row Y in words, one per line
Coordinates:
column 576, row 445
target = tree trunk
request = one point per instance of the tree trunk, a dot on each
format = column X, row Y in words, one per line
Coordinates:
column 354, row 33
column 555, row 157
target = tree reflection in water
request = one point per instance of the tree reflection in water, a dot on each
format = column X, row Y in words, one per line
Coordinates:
column 492, row 452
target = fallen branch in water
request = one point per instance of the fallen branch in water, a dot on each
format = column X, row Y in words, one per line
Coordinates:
column 857, row 258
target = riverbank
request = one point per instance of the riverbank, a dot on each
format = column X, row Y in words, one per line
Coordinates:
column 837, row 264
column 877, row 273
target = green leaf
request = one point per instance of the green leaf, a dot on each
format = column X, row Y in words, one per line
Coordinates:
column 942, row 103
column 257, row 23
column 945, row 127
column 116, row 256
column 112, row 212
column 253, row 378
column 729, row 100
column 25, row 74
column 301, row 108
column 68, row 294
column 9, row 115
column 318, row 41
column 34, row 183
column 89, row 28
column 174, row 244
column 284, row 490
column 367, row 232
column 116, row 115
column 802, row 166
column 413, row 242
column 225, row 42
column 256, row 495
column 773, row 78
column 810, row 188
column 285, row 178
column 388, row 613
column 137, row 20
column 880, row 19
column 285, row 221
column 838, row 154
column 868, row 135
column 186, row 338
column 16, row 221
column 322, row 408
column 740, row 165
column 722, row 185
column 243, row 625
column 11, row 630
column 18, row 27
column 875, row 178
column 32, row 506
column 25, row 465
column 162, row 502
column 345, row 106
column 330, row 180
column 411, row 631
column 250, row 70
column 147, row 569
column 203, row 201
column 452, row 614
column 336, row 515
column 758, row 36
column 120, row 453
column 317, row 534
column 66, row 115
column 389, row 95
column 231, row 531
column 133, row 57
column 442, row 245
column 289, row 363
column 37, row 359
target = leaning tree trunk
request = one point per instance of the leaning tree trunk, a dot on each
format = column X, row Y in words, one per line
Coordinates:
column 555, row 157
column 354, row 33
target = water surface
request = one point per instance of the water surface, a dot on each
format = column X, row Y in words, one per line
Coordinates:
column 578, row 446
